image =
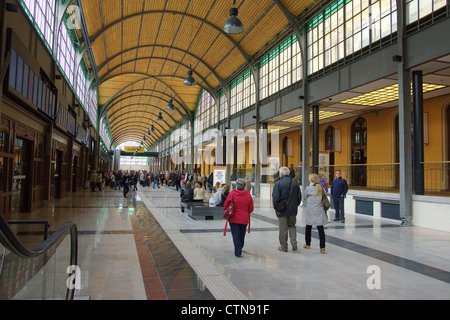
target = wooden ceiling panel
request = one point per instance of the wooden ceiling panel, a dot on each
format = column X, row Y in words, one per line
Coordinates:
column 111, row 10
column 298, row 6
column 130, row 43
column 229, row 62
column 155, row 5
column 91, row 12
column 253, row 42
column 150, row 26
column 132, row 7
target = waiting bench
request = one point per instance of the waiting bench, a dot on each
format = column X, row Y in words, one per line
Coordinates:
column 202, row 210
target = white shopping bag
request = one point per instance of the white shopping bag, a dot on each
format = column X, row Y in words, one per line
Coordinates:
column 331, row 213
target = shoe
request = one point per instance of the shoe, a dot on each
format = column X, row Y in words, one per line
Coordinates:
column 343, row 220
column 336, row 219
column 294, row 248
column 306, row 246
column 281, row 249
column 322, row 250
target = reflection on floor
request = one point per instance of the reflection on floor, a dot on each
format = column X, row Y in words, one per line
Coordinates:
column 143, row 247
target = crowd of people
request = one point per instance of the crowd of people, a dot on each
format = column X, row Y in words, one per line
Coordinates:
column 286, row 198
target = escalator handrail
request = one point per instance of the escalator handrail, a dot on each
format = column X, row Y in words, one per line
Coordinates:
column 13, row 244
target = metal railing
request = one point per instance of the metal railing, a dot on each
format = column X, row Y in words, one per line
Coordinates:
column 39, row 273
column 376, row 177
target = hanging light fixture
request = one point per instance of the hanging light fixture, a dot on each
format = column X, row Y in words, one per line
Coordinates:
column 233, row 25
column 189, row 81
column 160, row 117
column 170, row 106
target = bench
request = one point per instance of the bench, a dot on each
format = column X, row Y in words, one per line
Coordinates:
column 202, row 211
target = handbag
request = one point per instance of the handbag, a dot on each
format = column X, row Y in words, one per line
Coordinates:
column 325, row 201
column 229, row 210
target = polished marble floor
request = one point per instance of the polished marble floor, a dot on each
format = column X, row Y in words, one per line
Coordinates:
column 142, row 247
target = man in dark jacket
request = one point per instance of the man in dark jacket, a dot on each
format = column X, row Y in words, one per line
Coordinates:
column 187, row 194
column 339, row 188
column 178, row 181
column 210, row 182
column 288, row 191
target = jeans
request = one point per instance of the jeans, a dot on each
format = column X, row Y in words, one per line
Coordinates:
column 338, row 205
column 321, row 236
column 238, row 233
column 117, row 184
column 157, row 183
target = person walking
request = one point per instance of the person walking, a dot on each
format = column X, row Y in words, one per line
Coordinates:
column 248, row 184
column 210, row 182
column 99, row 180
column 93, row 180
column 286, row 197
column 339, row 189
column 118, row 180
column 315, row 212
column 155, row 180
column 135, row 181
column 178, row 181
column 243, row 207
column 126, row 184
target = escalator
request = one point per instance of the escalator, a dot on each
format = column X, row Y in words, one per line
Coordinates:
column 43, row 273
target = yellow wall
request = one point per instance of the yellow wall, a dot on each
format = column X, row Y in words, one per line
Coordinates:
column 381, row 144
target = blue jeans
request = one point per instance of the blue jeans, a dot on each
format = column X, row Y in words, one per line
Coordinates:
column 338, row 205
column 238, row 233
column 117, row 184
column 157, row 183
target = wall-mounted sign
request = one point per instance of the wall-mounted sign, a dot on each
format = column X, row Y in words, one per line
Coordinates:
column 133, row 149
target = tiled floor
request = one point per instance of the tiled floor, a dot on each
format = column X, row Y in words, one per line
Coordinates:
column 143, row 247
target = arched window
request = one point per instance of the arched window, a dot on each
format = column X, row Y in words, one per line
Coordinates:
column 329, row 139
column 359, row 152
column 359, row 134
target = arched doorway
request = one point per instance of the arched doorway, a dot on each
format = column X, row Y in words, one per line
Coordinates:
column 359, row 152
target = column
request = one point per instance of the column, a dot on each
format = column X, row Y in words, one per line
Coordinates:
column 315, row 150
column 418, row 153
column 404, row 119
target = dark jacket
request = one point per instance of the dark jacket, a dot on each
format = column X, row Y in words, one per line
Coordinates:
column 224, row 198
column 339, row 188
column 293, row 195
column 187, row 194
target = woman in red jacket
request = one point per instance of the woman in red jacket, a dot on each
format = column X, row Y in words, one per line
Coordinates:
column 243, row 207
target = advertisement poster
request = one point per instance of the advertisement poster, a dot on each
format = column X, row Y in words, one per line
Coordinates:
column 324, row 163
column 220, row 174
